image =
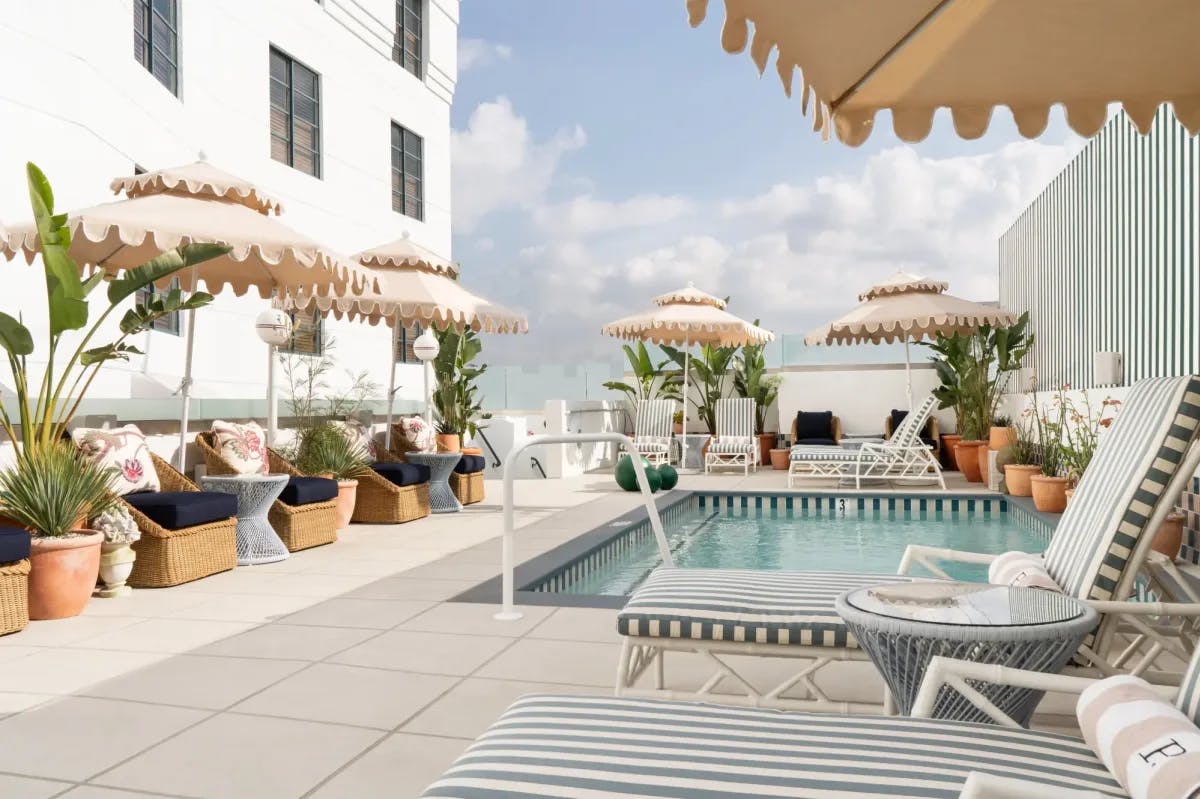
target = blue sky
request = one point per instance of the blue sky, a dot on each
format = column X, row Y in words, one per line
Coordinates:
column 604, row 153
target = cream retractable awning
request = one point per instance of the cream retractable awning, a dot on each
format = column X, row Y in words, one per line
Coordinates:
column 912, row 57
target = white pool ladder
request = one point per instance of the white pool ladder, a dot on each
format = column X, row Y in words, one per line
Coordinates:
column 508, row 611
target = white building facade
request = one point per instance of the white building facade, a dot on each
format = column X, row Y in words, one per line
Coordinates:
column 339, row 108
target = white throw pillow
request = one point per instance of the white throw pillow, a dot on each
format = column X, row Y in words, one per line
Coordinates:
column 123, row 449
column 243, row 446
column 359, row 437
column 420, row 435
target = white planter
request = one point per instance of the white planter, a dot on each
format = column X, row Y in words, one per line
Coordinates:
column 116, row 562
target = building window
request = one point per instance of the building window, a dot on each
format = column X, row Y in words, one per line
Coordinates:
column 308, row 334
column 156, row 40
column 404, row 344
column 407, row 50
column 408, row 193
column 170, row 322
column 295, row 114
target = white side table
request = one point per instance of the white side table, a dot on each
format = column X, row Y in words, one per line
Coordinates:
column 440, row 464
column 257, row 542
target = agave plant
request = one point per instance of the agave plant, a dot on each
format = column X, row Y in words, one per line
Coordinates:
column 51, row 489
column 325, row 449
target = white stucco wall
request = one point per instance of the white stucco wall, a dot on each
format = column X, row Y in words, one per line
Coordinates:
column 74, row 100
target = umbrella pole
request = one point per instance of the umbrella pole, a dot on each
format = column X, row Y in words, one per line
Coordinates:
column 185, row 385
column 272, row 398
column 687, row 355
column 387, row 431
column 908, row 376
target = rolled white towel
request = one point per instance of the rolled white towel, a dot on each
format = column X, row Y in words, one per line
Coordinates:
column 1021, row 570
column 1151, row 748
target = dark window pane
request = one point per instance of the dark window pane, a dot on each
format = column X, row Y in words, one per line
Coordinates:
column 156, row 41
column 279, row 66
column 295, row 114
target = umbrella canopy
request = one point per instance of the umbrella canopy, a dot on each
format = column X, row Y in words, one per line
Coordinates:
column 911, row 57
column 908, row 308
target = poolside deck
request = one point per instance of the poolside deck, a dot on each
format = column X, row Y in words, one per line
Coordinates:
column 340, row 672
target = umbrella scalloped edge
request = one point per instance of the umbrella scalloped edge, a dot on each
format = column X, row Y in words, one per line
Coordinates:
column 373, row 312
column 165, row 181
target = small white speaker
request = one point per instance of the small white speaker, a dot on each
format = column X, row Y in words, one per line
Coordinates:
column 1110, row 369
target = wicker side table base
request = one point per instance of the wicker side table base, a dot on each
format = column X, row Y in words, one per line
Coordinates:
column 441, row 465
column 257, row 541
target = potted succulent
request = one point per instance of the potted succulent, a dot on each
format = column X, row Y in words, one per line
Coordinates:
column 120, row 531
column 455, row 400
column 1002, row 433
column 750, row 380
column 326, row 451
column 677, row 423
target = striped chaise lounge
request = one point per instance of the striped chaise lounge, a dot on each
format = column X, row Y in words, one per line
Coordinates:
column 904, row 457
column 734, row 444
column 583, row 747
column 1140, row 468
column 652, row 430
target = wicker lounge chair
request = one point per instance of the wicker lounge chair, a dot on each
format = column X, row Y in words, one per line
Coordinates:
column 816, row 428
column 299, row 524
column 930, row 435
column 389, row 495
column 166, row 556
column 14, row 579
column 466, row 481
column 1141, row 466
column 583, row 747
column 734, row 444
column 652, row 430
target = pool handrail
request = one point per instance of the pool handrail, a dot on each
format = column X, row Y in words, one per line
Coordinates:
column 508, row 612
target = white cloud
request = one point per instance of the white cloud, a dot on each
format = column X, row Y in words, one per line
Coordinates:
column 497, row 164
column 474, row 53
column 584, row 215
column 485, row 244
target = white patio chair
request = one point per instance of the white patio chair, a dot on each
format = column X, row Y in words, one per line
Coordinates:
column 1140, row 469
column 903, row 458
column 734, row 444
column 652, row 430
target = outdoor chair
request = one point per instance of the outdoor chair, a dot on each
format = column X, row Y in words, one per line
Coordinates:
column 14, row 579
column 571, row 747
column 904, row 458
column 186, row 533
column 652, row 430
column 1139, row 470
column 392, row 492
column 466, row 481
column 816, row 429
column 734, row 444
column 304, row 515
column 930, row 435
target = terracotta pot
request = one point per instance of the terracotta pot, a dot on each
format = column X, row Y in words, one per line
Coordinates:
column 779, row 459
column 449, row 442
column 677, row 428
column 1049, row 493
column 704, row 449
column 983, row 452
column 766, row 441
column 346, row 496
column 949, row 444
column 966, row 455
column 116, row 563
column 1169, row 536
column 1016, row 478
column 472, row 450
column 1001, row 437
column 62, row 574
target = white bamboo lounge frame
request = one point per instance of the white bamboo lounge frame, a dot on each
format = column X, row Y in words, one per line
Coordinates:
column 652, row 430
column 903, row 458
column 734, row 444
column 1141, row 466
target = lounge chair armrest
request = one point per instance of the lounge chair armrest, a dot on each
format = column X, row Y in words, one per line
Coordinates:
column 1113, row 608
column 919, row 555
column 991, row 786
column 944, row 671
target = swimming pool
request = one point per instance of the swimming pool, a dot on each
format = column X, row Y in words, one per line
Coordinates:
column 796, row 532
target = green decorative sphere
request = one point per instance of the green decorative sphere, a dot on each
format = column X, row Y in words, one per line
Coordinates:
column 654, row 479
column 627, row 476
column 668, row 477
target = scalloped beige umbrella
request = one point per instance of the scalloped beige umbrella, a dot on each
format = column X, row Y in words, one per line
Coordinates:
column 912, row 57
column 688, row 316
column 199, row 203
column 908, row 308
column 415, row 285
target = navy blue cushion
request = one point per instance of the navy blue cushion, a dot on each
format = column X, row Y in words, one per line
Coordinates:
column 403, row 474
column 14, row 544
column 469, row 464
column 176, row 510
column 898, row 417
column 307, row 490
column 814, row 424
column 817, row 442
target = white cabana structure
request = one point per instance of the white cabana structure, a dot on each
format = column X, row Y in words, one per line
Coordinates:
column 198, row 203
column 686, row 317
column 908, row 308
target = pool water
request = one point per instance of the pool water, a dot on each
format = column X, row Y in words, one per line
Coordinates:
column 802, row 540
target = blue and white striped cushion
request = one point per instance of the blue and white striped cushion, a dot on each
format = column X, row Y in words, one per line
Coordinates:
column 735, row 445
column 1125, row 482
column 808, row 452
column 580, row 747
column 794, row 608
column 1188, row 700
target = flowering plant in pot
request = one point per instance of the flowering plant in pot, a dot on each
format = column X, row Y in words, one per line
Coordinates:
column 325, row 450
column 677, row 423
column 1050, row 487
column 120, row 532
column 1025, row 458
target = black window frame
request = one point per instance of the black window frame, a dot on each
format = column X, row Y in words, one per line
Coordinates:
column 288, row 84
column 406, row 148
column 318, row 337
column 410, row 24
column 172, row 323
column 404, row 343
column 147, row 48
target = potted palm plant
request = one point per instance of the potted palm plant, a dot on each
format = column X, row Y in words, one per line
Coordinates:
column 650, row 380
column 456, row 400
column 51, row 489
column 750, row 380
column 709, row 371
column 677, row 423
column 327, row 451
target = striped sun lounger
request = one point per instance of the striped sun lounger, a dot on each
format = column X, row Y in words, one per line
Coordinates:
column 652, row 430
column 1139, row 470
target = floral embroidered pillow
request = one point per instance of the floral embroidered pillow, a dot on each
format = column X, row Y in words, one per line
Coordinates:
column 359, row 437
column 124, row 450
column 411, row 434
column 243, row 446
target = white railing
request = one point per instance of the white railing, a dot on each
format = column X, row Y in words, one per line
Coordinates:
column 508, row 612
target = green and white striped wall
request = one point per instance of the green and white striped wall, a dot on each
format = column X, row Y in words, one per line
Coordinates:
column 1107, row 258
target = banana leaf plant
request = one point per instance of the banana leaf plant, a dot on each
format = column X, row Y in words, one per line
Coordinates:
column 750, row 380
column 456, row 400
column 650, row 381
column 707, row 378
column 43, row 410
